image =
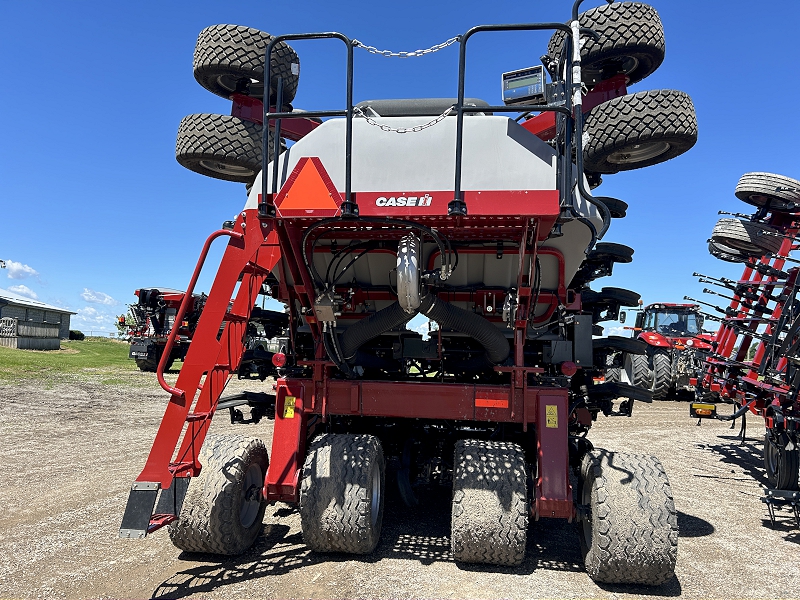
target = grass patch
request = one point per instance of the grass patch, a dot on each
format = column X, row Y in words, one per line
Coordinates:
column 89, row 356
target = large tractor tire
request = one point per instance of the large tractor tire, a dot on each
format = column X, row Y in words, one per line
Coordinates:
column 229, row 59
column 150, row 365
column 776, row 192
column 748, row 238
column 224, row 508
column 147, row 365
column 220, row 146
column 639, row 130
column 631, row 42
column 636, row 371
column 341, row 494
column 782, row 466
column 630, row 534
column 663, row 376
column 490, row 503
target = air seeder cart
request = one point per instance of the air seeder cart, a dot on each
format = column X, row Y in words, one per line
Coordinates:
column 445, row 208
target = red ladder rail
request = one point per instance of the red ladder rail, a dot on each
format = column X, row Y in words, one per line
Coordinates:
column 251, row 254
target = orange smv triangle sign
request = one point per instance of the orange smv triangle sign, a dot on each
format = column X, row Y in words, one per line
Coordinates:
column 308, row 192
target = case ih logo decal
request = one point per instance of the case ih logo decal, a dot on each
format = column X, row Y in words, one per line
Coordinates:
column 404, row 201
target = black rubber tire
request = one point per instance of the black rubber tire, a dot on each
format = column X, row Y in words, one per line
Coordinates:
column 631, row 42
column 216, row 516
column 617, row 342
column 220, row 146
column 746, row 237
column 631, row 535
column 617, row 208
column 663, row 376
column 489, row 521
column 639, row 130
column 781, row 465
column 611, row 295
column 726, row 253
column 340, row 508
column 228, row 57
column 612, row 375
column 148, row 365
column 781, row 193
column 618, row 253
column 636, row 371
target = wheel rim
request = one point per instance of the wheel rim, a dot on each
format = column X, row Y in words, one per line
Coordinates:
column 229, row 82
column 375, row 502
column 772, row 459
column 637, row 153
column 626, row 373
column 613, row 66
column 226, row 169
column 251, row 503
column 742, row 246
column 763, row 200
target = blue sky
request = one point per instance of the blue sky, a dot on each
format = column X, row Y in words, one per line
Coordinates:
column 93, row 204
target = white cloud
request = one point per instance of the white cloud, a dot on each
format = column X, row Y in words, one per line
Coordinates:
column 90, row 319
column 98, row 297
column 17, row 270
column 23, row 290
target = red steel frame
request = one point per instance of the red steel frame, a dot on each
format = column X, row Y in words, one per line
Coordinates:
column 261, row 245
column 732, row 344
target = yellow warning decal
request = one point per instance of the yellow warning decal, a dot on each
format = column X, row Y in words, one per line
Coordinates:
column 551, row 416
column 288, row 407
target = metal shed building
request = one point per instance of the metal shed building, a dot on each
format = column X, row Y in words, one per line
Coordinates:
column 30, row 324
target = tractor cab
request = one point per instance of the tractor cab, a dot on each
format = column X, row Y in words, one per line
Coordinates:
column 673, row 321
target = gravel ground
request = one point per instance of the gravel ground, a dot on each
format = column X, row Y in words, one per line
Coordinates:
column 70, row 449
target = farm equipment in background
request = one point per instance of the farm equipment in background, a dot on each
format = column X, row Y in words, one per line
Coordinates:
column 756, row 351
column 151, row 320
column 676, row 349
column 444, row 208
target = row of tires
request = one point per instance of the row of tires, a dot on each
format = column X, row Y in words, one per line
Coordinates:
column 628, row 526
column 636, row 130
column 653, row 371
column 627, row 132
column 229, row 60
column 739, row 240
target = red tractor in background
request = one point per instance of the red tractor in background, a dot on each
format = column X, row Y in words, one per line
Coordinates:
column 676, row 349
column 150, row 321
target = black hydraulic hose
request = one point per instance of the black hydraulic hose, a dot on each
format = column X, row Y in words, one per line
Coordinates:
column 738, row 413
column 380, row 322
column 464, row 321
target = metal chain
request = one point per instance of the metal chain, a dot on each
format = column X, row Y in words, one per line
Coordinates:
column 432, row 49
column 357, row 111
